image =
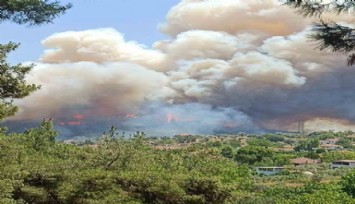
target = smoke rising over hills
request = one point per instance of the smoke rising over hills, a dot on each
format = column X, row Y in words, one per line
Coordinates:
column 228, row 66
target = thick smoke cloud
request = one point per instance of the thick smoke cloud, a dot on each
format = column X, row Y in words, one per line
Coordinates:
column 232, row 16
column 229, row 66
column 191, row 118
column 100, row 46
column 107, row 89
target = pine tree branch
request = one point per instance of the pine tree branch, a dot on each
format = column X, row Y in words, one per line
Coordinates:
column 330, row 36
column 32, row 12
column 310, row 8
column 335, row 37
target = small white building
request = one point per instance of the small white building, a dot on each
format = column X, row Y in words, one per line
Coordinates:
column 269, row 170
column 329, row 141
column 331, row 147
column 343, row 164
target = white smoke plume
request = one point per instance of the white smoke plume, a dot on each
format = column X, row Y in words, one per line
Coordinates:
column 233, row 16
column 107, row 89
column 230, row 65
column 100, row 46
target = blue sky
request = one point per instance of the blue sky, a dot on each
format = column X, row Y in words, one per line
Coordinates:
column 138, row 20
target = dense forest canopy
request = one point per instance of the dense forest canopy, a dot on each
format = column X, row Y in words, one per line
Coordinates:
column 34, row 168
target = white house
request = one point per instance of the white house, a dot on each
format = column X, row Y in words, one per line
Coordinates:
column 343, row 164
column 269, row 170
column 329, row 141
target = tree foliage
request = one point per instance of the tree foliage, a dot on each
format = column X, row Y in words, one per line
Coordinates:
column 337, row 155
column 12, row 78
column 307, row 145
column 114, row 170
column 12, row 82
column 34, row 168
column 32, row 12
column 330, row 35
column 348, row 184
column 252, row 155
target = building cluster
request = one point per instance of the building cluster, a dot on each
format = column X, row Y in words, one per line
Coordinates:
column 304, row 161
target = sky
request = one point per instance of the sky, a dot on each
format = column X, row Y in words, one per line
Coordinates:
column 137, row 19
column 183, row 67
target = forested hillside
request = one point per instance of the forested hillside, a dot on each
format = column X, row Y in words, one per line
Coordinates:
column 37, row 169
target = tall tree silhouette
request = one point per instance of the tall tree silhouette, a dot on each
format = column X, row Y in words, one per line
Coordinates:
column 12, row 78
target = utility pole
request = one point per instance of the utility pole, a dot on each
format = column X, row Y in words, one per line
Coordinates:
column 300, row 128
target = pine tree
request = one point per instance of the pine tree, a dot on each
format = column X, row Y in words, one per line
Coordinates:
column 330, row 35
column 12, row 78
column 32, row 12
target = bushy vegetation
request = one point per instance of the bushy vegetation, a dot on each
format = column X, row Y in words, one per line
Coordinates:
column 35, row 168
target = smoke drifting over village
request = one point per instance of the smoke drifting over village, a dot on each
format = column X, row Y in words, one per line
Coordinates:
column 228, row 66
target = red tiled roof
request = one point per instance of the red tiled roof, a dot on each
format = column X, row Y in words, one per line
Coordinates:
column 304, row 160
